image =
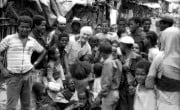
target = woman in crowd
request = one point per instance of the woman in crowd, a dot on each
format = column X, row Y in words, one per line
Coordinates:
column 55, row 73
column 164, row 71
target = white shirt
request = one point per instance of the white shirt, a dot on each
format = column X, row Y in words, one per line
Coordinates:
column 144, row 99
column 152, row 53
column 19, row 56
column 97, row 87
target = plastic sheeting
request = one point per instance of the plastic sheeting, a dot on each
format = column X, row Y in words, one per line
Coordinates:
column 60, row 7
column 48, row 12
column 113, row 16
column 3, row 3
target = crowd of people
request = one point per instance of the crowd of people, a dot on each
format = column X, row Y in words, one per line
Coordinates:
column 125, row 66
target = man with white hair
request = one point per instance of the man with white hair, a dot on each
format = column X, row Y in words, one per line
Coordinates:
column 79, row 48
column 61, row 28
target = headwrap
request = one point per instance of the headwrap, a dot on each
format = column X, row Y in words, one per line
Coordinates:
column 61, row 19
column 80, row 70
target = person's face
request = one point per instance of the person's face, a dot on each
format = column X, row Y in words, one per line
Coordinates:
column 136, row 48
column 82, row 98
column 133, row 26
column 162, row 26
column 105, row 27
column 24, row 29
column 122, row 25
column 76, row 27
column 63, row 41
column 140, row 75
column 146, row 26
column 61, row 26
column 93, row 42
column 98, row 29
column 42, row 27
column 114, row 28
column 86, row 58
column 71, row 85
column 84, row 37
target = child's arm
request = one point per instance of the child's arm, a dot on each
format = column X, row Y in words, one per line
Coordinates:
column 50, row 69
column 153, row 72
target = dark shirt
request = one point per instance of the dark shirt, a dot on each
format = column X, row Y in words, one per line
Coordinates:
column 41, row 39
column 111, row 76
column 139, row 37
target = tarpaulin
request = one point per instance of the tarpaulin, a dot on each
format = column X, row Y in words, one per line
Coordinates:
column 48, row 12
column 113, row 16
column 55, row 8
column 3, row 3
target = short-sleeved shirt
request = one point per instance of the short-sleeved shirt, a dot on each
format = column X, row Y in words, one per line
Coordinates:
column 19, row 56
column 74, row 49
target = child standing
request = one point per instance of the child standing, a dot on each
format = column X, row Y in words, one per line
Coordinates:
column 153, row 50
column 97, row 81
column 144, row 98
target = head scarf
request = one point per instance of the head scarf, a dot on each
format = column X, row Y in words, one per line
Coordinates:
column 170, row 45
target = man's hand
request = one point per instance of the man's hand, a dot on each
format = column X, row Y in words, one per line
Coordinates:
column 5, row 73
column 97, row 101
column 131, row 90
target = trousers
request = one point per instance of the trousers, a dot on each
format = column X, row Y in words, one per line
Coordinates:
column 19, row 87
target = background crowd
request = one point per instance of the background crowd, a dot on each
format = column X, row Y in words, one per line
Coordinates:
column 124, row 66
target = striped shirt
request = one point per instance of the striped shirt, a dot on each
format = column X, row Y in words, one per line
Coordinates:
column 19, row 56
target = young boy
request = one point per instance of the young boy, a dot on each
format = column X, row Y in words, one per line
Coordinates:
column 97, row 81
column 144, row 98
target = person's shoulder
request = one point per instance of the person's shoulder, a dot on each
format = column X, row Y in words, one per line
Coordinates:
column 11, row 36
column 108, row 61
column 31, row 38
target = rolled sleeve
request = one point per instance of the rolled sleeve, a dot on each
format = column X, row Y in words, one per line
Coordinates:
column 4, row 44
column 38, row 47
column 155, row 66
column 106, row 80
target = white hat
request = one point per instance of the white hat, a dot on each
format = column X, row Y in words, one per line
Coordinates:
column 87, row 30
column 126, row 40
column 76, row 19
column 61, row 19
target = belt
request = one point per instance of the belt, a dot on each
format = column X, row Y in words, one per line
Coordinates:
column 20, row 74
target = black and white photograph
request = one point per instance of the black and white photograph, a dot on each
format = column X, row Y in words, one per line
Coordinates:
column 89, row 54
